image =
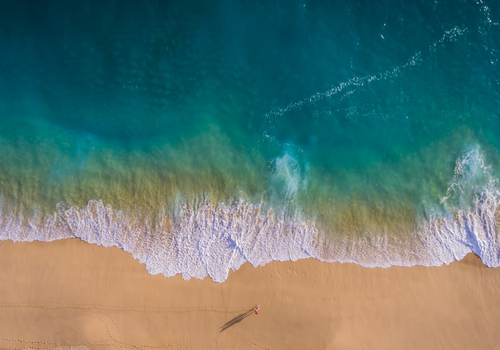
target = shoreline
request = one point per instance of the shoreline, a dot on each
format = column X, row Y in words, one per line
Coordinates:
column 71, row 294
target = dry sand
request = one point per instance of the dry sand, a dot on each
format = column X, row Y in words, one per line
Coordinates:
column 72, row 295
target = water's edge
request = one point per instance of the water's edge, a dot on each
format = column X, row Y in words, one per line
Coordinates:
column 212, row 240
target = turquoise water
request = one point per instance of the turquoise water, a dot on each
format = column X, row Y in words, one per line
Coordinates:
column 201, row 135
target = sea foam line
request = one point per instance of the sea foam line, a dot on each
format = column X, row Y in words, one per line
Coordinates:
column 210, row 241
column 356, row 82
column 448, row 36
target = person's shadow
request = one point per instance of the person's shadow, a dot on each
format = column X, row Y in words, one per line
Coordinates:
column 237, row 319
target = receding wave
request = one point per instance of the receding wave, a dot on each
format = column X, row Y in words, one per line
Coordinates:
column 213, row 239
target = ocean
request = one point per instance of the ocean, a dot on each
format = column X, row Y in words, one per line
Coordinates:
column 200, row 135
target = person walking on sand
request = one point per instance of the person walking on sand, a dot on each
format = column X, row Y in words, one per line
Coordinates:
column 257, row 309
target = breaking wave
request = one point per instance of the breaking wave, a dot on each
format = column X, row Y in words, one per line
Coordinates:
column 211, row 240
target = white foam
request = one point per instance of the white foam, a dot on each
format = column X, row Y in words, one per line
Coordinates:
column 212, row 240
column 473, row 204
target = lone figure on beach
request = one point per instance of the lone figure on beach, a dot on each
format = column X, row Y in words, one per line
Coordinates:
column 257, row 309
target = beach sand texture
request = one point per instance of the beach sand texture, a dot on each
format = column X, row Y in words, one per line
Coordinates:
column 72, row 295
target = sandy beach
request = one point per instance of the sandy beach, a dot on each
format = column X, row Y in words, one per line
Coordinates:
column 72, row 295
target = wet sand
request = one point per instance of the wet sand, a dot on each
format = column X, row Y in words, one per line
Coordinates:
column 72, row 295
